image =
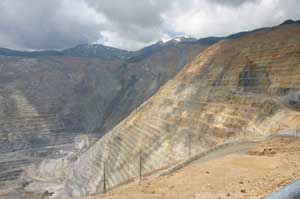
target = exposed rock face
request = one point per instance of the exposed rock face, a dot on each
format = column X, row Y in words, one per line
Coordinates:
column 47, row 103
column 244, row 88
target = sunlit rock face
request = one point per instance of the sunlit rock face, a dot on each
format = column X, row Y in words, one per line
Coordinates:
column 246, row 88
column 48, row 102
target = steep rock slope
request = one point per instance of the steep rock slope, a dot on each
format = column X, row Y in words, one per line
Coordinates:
column 47, row 103
column 77, row 95
column 244, row 88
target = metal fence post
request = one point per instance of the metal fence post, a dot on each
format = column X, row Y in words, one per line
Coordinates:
column 298, row 131
column 190, row 144
column 140, row 171
column 104, row 178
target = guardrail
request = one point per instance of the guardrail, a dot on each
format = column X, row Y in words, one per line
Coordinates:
column 292, row 191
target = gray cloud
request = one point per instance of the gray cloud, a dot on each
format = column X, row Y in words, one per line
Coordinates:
column 133, row 12
column 36, row 24
column 232, row 2
column 131, row 24
column 136, row 21
column 204, row 18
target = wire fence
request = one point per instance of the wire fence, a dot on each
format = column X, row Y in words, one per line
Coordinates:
column 244, row 132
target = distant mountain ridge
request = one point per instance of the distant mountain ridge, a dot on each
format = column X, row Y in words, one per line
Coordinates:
column 110, row 53
column 290, row 21
column 97, row 50
column 82, row 50
column 17, row 53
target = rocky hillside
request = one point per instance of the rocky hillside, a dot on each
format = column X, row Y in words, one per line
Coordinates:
column 78, row 95
column 49, row 102
column 247, row 88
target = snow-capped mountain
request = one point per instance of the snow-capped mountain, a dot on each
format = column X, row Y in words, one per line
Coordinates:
column 182, row 38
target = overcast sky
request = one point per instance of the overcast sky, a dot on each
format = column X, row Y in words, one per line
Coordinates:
column 131, row 24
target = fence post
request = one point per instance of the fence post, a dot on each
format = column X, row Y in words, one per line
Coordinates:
column 140, row 171
column 190, row 144
column 104, row 178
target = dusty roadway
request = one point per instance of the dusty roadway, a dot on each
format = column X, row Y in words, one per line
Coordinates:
column 234, row 172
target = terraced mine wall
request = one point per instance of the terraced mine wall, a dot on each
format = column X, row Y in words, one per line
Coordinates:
column 48, row 103
column 246, row 88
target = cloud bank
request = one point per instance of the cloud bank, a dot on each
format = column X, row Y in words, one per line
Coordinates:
column 131, row 24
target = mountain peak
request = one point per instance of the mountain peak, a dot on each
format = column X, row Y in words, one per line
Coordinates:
column 97, row 50
column 290, row 21
column 184, row 38
column 177, row 39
